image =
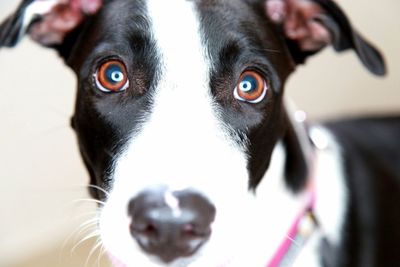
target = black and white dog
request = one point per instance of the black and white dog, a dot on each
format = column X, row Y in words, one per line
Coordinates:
column 183, row 127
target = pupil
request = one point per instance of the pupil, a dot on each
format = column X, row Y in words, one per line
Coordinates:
column 248, row 84
column 114, row 74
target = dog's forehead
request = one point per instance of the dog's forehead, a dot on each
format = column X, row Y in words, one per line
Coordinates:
column 216, row 20
column 220, row 10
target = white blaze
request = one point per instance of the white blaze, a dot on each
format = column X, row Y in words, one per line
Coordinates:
column 184, row 144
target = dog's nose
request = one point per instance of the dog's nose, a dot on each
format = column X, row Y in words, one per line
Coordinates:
column 171, row 225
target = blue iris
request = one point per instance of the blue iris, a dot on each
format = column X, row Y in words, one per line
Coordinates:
column 114, row 74
column 248, row 84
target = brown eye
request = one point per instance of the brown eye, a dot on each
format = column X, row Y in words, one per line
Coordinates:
column 251, row 87
column 112, row 76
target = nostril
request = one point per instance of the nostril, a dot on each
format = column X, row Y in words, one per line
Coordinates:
column 193, row 231
column 188, row 230
column 145, row 229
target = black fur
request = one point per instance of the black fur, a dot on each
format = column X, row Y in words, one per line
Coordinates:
column 103, row 122
column 371, row 150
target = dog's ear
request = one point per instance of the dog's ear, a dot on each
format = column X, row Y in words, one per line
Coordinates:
column 48, row 22
column 310, row 25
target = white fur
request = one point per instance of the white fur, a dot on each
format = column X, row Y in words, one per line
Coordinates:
column 309, row 255
column 332, row 196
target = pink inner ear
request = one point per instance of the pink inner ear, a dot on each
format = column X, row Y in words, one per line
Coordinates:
column 87, row 6
column 298, row 18
column 65, row 16
column 276, row 10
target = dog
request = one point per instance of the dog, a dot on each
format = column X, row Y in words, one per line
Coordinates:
column 194, row 151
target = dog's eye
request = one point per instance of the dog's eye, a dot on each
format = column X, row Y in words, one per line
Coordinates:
column 112, row 77
column 251, row 87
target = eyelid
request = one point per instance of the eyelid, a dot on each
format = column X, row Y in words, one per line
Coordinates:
column 260, row 69
column 258, row 100
column 264, row 68
column 105, row 90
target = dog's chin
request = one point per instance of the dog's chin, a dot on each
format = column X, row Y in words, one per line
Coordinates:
column 116, row 262
column 180, row 263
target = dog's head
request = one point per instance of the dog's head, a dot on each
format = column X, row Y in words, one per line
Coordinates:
column 180, row 116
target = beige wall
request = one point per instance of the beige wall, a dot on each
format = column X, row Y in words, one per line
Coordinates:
column 41, row 173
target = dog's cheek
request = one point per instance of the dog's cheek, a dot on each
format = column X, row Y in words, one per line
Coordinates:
column 236, row 235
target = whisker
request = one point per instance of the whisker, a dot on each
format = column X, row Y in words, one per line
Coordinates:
column 89, row 205
column 95, row 233
column 76, row 230
column 100, row 189
column 101, row 254
column 74, row 233
column 88, row 227
column 90, row 200
column 92, row 251
column 92, row 221
column 92, row 214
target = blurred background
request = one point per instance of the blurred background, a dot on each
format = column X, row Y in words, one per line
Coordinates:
column 44, row 207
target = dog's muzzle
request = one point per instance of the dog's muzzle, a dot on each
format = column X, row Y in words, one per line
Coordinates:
column 171, row 225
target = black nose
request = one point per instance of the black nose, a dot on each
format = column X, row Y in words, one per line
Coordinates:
column 171, row 225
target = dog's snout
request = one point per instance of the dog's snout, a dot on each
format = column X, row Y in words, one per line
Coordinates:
column 171, row 225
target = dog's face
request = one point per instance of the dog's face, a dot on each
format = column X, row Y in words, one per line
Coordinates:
column 180, row 119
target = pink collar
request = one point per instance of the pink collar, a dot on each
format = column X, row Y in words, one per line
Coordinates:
column 297, row 236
